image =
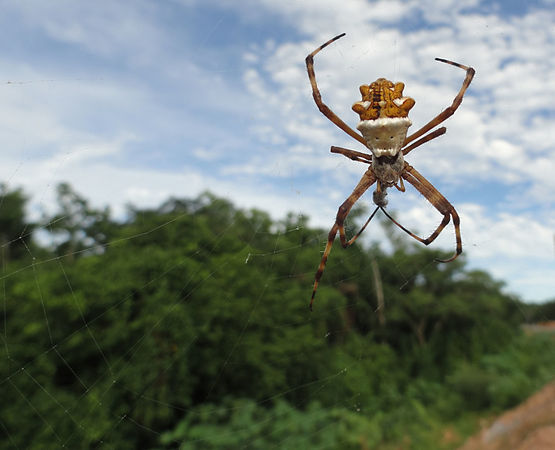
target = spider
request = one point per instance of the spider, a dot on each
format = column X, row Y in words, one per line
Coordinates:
column 383, row 126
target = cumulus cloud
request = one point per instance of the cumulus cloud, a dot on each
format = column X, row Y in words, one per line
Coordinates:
column 160, row 111
column 500, row 134
column 491, row 111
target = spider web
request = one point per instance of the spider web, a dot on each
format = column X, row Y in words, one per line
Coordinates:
column 28, row 376
column 67, row 399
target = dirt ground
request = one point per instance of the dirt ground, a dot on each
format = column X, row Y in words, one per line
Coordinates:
column 529, row 426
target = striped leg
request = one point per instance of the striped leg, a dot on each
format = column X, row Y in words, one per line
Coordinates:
column 367, row 180
column 324, row 109
column 450, row 110
column 425, row 139
column 352, row 154
column 431, row 194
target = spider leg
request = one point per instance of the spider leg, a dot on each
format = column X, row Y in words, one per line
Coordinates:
column 425, row 139
column 450, row 110
column 352, row 154
column 431, row 194
column 367, row 180
column 351, row 241
column 324, row 109
column 429, row 239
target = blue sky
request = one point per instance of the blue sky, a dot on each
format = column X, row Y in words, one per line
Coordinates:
column 132, row 102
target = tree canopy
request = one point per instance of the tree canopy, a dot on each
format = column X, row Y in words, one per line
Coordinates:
column 187, row 326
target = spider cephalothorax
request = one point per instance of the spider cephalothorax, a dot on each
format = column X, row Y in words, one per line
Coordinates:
column 384, row 124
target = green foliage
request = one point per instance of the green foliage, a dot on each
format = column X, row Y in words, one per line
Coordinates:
column 190, row 328
column 77, row 228
column 543, row 312
column 15, row 232
column 244, row 423
column 501, row 380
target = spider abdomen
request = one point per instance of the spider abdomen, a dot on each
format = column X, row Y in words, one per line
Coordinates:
column 382, row 98
column 383, row 115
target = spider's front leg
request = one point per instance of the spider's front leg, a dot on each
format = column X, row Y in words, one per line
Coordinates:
column 367, row 180
column 352, row 154
column 324, row 109
column 450, row 110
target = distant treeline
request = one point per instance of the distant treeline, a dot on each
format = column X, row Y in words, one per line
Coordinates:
column 187, row 326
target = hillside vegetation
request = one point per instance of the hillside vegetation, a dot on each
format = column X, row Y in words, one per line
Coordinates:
column 187, row 326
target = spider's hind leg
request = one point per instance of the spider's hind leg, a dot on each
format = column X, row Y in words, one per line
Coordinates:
column 367, row 180
column 440, row 203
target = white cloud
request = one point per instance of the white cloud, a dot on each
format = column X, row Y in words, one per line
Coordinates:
column 499, row 105
column 109, row 29
column 249, row 130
